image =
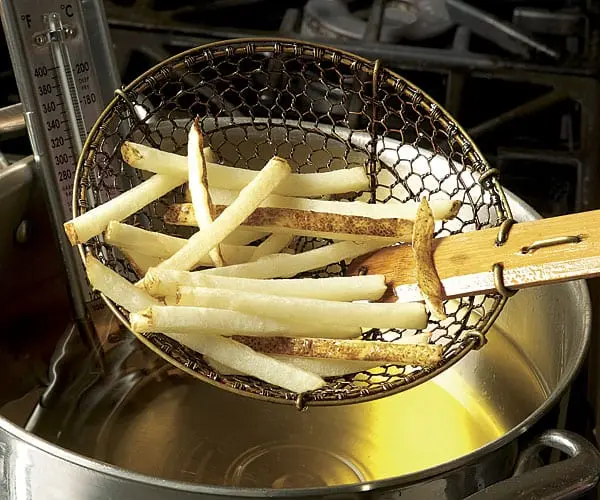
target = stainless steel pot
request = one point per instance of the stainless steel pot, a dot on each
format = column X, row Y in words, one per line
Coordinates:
column 145, row 431
column 15, row 182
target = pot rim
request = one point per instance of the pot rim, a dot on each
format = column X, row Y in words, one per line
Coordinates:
column 404, row 480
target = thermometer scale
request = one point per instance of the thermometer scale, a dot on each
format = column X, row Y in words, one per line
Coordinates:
column 65, row 71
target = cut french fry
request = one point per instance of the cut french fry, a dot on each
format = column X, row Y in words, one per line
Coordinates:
column 141, row 262
column 241, row 237
column 163, row 282
column 313, row 184
column 442, row 209
column 287, row 265
column 305, row 311
column 210, row 321
column 307, row 223
column 427, row 278
column 424, row 355
column 244, row 360
column 210, row 155
column 140, row 240
column 324, row 367
column 212, row 235
column 275, row 243
column 137, row 242
column 115, row 287
column 320, row 367
column 94, row 221
column 198, row 186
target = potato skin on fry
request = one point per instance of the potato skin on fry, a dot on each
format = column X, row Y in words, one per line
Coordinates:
column 333, row 224
column 198, row 186
column 427, row 277
column 442, row 209
column 245, row 360
column 308, row 223
column 360, row 350
column 326, row 367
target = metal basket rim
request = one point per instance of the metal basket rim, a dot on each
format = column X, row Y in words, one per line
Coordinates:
column 426, row 375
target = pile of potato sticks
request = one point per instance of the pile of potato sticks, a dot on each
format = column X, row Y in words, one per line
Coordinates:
column 239, row 304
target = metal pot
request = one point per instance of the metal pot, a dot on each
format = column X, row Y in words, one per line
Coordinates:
column 15, row 182
column 146, row 431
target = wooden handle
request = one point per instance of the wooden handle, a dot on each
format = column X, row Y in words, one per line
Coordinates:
column 535, row 253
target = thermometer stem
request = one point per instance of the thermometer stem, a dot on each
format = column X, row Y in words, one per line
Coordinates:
column 64, row 69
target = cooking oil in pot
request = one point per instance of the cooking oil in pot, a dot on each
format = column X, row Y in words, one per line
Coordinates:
column 177, row 428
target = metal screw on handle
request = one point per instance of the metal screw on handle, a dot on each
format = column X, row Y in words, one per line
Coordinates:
column 503, row 232
column 498, row 268
column 550, row 242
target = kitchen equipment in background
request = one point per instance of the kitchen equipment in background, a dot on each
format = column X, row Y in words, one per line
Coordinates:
column 402, row 19
column 15, row 183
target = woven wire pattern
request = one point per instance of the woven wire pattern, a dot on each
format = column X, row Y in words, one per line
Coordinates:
column 321, row 109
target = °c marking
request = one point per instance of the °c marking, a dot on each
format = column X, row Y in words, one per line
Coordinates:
column 68, row 8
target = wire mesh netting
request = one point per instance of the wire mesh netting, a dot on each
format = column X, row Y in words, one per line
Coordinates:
column 321, row 110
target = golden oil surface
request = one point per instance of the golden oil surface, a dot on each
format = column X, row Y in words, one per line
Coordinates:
column 194, row 432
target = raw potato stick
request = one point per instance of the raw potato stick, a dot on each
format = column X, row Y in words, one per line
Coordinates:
column 424, row 355
column 163, row 246
column 289, row 265
column 94, row 221
column 275, row 243
column 140, row 240
column 210, row 321
column 162, row 282
column 115, row 287
column 324, row 367
column 315, row 312
column 427, row 278
column 140, row 262
column 147, row 245
column 210, row 155
column 198, row 186
column 249, row 198
column 243, row 237
column 314, row 184
column 442, row 209
column 320, row 367
column 243, row 359
column 307, row 223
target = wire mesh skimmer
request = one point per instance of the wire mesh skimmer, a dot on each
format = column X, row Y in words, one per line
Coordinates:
column 321, row 109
